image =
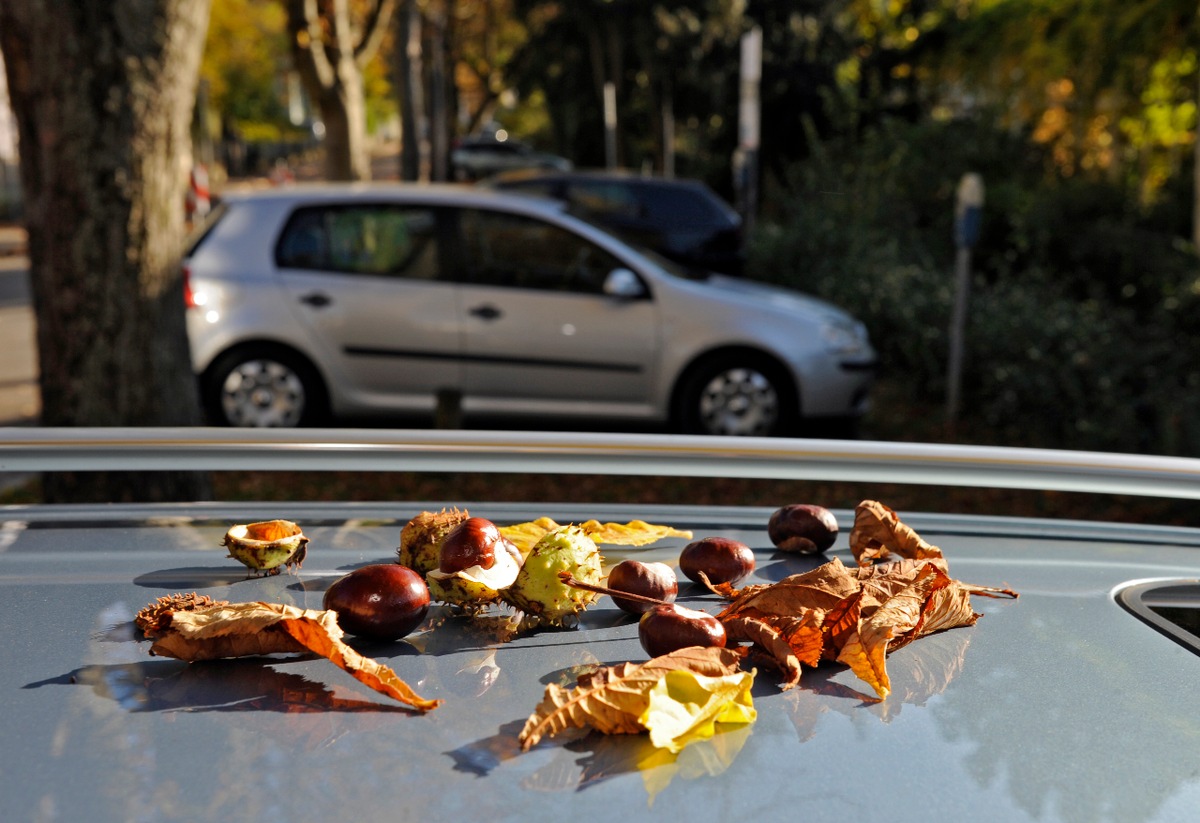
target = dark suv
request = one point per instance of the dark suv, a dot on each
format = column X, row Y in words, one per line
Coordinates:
column 681, row 219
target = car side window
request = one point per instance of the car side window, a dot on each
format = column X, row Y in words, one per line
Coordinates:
column 522, row 252
column 373, row 239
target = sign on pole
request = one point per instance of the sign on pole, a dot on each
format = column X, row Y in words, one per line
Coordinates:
column 968, row 216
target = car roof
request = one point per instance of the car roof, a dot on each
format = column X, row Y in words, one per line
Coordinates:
column 1061, row 706
column 626, row 176
column 436, row 193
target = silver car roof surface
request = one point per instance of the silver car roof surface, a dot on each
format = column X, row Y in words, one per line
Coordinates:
column 1057, row 706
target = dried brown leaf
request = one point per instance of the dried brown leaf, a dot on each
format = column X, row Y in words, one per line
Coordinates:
column 855, row 616
column 878, row 533
column 251, row 629
column 154, row 618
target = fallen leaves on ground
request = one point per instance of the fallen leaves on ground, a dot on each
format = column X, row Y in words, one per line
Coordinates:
column 677, row 698
column 220, row 630
column 855, row 616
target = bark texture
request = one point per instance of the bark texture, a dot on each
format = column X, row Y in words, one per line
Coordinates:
column 103, row 96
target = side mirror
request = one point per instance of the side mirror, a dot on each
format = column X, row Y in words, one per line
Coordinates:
column 624, row 283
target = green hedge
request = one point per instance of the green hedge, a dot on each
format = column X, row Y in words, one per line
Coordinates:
column 1084, row 313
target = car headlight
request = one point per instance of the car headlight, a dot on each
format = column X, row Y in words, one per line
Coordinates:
column 842, row 336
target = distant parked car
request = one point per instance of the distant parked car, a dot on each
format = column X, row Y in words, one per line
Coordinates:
column 681, row 219
column 483, row 155
column 377, row 300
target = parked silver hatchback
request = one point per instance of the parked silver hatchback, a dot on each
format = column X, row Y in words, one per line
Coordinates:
column 352, row 301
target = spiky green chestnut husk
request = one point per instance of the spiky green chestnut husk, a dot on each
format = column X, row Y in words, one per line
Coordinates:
column 421, row 538
column 539, row 591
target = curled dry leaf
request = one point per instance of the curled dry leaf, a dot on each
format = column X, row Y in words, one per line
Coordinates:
column 677, row 697
column 878, row 533
column 856, row 616
column 250, row 629
column 156, row 617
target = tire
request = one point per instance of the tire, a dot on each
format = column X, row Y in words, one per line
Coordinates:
column 738, row 394
column 263, row 387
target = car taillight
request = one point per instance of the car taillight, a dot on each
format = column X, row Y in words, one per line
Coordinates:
column 189, row 297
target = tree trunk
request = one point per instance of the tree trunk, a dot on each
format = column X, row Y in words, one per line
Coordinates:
column 344, row 114
column 439, row 111
column 1196, row 179
column 330, row 51
column 103, row 96
column 409, row 80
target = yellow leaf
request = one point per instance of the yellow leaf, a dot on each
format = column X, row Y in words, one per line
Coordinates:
column 526, row 535
column 633, row 533
column 685, row 706
column 612, row 699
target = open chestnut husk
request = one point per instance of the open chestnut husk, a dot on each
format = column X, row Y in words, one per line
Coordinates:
column 803, row 528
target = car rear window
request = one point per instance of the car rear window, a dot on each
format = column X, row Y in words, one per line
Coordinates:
column 684, row 205
column 370, row 239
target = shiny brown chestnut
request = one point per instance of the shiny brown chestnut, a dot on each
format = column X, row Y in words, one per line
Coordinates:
column 670, row 627
column 721, row 559
column 384, row 601
column 472, row 542
column 655, row 580
column 803, row 528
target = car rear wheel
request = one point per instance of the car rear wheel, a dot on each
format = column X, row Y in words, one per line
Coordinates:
column 262, row 388
column 739, row 395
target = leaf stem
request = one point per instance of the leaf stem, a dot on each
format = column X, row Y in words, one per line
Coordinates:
column 566, row 577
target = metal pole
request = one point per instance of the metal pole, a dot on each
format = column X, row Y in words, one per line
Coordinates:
column 968, row 211
column 749, row 126
column 610, row 125
column 958, row 332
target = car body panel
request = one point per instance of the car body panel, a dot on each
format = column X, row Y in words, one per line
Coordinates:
column 362, row 339
column 1058, row 706
column 541, row 343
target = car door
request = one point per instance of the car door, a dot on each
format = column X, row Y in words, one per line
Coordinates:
column 366, row 280
column 538, row 331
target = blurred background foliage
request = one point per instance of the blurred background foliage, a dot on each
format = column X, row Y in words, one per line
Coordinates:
column 1080, row 116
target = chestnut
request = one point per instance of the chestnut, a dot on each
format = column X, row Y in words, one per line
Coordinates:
column 384, row 601
column 472, row 542
column 803, row 528
column 669, row 627
column 655, row 580
column 722, row 559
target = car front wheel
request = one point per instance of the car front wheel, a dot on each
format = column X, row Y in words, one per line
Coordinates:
column 734, row 395
column 263, row 388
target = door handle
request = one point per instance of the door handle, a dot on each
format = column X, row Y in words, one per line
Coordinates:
column 485, row 312
column 316, row 299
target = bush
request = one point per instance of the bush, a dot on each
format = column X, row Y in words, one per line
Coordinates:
column 1082, row 307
